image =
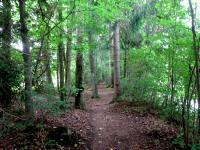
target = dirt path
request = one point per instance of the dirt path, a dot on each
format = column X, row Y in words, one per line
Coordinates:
column 105, row 124
column 115, row 129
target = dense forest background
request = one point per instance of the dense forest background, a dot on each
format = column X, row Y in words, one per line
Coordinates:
column 147, row 50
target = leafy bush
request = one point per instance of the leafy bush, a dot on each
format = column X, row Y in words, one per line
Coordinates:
column 48, row 102
column 10, row 76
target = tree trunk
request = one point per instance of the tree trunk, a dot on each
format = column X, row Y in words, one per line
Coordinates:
column 68, row 61
column 57, row 72
column 79, row 104
column 196, row 52
column 48, row 70
column 5, row 59
column 61, row 59
column 68, row 54
column 61, row 70
column 185, row 112
column 93, row 66
column 125, row 61
column 117, row 61
column 47, row 62
column 111, row 57
column 27, row 59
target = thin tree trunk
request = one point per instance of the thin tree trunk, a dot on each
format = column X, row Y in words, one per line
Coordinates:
column 93, row 66
column 172, row 89
column 48, row 70
column 57, row 72
column 61, row 71
column 125, row 60
column 27, row 59
column 111, row 57
column 61, row 59
column 79, row 104
column 117, row 61
column 185, row 102
column 48, row 57
column 196, row 52
column 68, row 61
column 47, row 63
column 48, row 66
column 5, row 60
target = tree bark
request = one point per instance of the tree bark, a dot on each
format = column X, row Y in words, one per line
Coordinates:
column 68, row 61
column 57, row 72
column 93, row 66
column 68, row 54
column 47, row 62
column 111, row 57
column 5, row 60
column 79, row 104
column 196, row 52
column 61, row 59
column 27, row 59
column 117, row 60
column 125, row 60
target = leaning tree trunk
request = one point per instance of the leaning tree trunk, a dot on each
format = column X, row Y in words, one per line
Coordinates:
column 196, row 52
column 61, row 59
column 93, row 66
column 5, row 56
column 79, row 104
column 117, row 61
column 27, row 59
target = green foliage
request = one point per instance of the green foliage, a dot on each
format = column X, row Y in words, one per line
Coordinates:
column 159, row 65
column 179, row 141
column 50, row 105
column 196, row 147
column 11, row 75
column 142, row 83
column 48, row 102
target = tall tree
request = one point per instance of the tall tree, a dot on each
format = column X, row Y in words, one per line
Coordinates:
column 79, row 104
column 196, row 54
column 68, row 53
column 61, row 56
column 117, row 60
column 27, row 58
column 111, row 56
column 47, row 63
column 92, row 53
column 93, row 65
column 68, row 60
column 5, row 56
column 46, row 12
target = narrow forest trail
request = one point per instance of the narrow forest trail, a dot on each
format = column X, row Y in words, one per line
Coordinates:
column 115, row 129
